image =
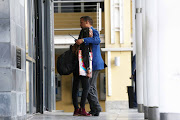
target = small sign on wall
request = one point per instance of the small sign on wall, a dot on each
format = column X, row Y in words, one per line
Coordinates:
column 18, row 57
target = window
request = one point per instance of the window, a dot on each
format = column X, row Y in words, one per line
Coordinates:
column 70, row 7
column 77, row 7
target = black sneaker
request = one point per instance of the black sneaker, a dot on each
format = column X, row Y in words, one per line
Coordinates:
column 94, row 113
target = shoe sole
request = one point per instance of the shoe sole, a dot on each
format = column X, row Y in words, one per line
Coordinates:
column 86, row 115
column 77, row 115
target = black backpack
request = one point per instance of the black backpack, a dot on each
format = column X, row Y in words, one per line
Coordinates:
column 66, row 63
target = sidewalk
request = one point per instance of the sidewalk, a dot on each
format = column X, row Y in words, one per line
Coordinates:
column 122, row 115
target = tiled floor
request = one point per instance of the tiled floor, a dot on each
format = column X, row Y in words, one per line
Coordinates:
column 121, row 115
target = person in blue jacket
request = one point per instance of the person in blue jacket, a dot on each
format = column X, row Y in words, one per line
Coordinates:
column 97, row 63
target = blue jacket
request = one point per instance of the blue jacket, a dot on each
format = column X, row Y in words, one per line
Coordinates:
column 97, row 62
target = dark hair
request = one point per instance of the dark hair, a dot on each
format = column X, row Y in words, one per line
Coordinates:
column 87, row 18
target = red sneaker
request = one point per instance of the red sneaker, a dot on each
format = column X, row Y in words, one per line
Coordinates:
column 84, row 113
column 76, row 112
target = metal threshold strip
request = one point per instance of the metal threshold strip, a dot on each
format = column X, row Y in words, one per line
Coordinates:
column 83, row 1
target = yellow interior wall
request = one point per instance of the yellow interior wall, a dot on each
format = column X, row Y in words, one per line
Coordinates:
column 72, row 20
column 119, row 74
column 66, row 86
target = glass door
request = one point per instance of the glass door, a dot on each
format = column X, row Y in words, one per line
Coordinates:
column 30, row 58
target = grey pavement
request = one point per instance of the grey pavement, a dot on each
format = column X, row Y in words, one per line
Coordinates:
column 131, row 114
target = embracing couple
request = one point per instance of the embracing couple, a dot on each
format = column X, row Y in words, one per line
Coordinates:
column 90, row 80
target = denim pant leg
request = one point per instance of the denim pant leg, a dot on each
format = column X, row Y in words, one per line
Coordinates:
column 92, row 95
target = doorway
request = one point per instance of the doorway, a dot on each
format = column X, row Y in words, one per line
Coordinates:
column 40, row 77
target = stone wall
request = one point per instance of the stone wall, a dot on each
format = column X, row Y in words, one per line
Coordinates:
column 12, row 79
